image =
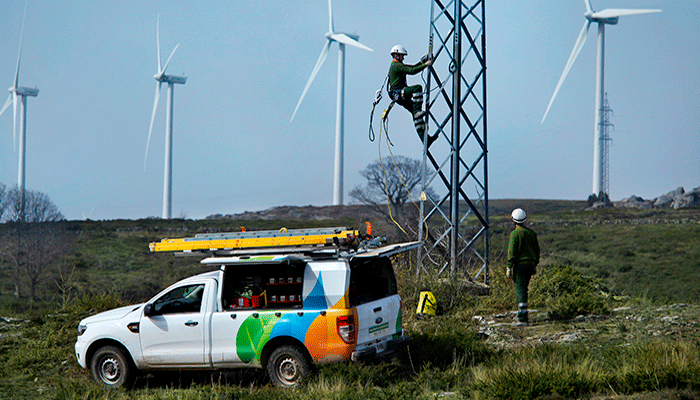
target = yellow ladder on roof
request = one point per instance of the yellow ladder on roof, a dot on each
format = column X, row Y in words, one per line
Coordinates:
column 239, row 240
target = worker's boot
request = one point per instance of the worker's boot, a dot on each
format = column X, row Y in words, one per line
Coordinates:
column 432, row 139
column 522, row 315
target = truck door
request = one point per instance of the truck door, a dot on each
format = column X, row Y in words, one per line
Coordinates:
column 174, row 332
column 374, row 294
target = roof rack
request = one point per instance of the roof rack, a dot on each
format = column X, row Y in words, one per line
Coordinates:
column 282, row 240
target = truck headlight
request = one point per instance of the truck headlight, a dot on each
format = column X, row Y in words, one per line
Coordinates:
column 81, row 329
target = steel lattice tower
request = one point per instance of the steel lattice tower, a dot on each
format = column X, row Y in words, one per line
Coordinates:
column 605, row 139
column 454, row 226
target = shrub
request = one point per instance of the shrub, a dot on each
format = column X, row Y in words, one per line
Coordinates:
column 567, row 293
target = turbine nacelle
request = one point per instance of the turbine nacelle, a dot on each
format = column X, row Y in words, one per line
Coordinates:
column 170, row 79
column 24, row 91
column 335, row 35
column 591, row 16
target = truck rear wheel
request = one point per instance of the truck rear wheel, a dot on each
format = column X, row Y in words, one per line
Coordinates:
column 111, row 367
column 288, row 366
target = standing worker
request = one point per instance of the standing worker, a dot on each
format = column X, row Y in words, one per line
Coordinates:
column 410, row 97
column 523, row 257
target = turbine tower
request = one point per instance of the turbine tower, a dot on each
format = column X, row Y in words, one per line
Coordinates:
column 19, row 95
column 342, row 39
column 606, row 17
column 171, row 80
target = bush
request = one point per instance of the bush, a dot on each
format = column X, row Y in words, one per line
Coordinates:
column 443, row 341
column 567, row 293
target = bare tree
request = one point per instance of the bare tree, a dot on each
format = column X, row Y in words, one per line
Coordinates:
column 37, row 207
column 393, row 184
column 34, row 239
column 37, row 252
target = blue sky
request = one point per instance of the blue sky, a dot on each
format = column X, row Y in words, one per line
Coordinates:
column 247, row 64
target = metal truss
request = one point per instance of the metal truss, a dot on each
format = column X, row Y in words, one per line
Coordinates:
column 454, row 221
column 605, row 141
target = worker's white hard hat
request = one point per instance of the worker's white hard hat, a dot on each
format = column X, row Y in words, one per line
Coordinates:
column 398, row 49
column 518, row 216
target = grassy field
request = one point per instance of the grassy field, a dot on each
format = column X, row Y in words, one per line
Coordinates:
column 616, row 298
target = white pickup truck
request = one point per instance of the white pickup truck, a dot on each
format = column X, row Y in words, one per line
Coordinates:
column 279, row 312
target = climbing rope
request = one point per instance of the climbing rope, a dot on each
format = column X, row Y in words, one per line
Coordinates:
column 385, row 126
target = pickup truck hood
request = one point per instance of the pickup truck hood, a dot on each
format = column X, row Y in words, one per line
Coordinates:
column 117, row 313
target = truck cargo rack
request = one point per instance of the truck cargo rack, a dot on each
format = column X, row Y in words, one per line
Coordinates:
column 316, row 240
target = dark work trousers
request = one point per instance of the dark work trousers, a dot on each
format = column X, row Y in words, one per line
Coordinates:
column 412, row 100
column 521, row 276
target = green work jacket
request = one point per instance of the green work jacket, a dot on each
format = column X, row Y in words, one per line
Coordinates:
column 398, row 72
column 523, row 247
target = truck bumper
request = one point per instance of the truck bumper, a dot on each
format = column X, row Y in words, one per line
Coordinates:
column 369, row 353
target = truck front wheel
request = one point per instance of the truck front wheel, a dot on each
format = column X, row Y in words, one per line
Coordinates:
column 288, row 366
column 111, row 367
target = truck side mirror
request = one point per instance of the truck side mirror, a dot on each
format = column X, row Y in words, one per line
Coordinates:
column 148, row 310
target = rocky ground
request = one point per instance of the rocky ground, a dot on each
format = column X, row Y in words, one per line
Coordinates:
column 623, row 326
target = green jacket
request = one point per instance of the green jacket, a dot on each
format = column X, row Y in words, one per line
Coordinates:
column 523, row 247
column 398, row 72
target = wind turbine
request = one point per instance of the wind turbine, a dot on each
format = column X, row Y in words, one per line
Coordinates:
column 171, row 80
column 342, row 39
column 605, row 17
column 19, row 95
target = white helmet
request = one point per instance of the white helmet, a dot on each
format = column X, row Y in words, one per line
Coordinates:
column 398, row 49
column 518, row 216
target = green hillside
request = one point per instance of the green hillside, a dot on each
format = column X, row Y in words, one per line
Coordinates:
column 616, row 314
column 651, row 253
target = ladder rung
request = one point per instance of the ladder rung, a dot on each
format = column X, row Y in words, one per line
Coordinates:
column 266, row 234
column 238, row 240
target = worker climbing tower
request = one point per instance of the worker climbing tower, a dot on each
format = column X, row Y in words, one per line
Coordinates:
column 455, row 225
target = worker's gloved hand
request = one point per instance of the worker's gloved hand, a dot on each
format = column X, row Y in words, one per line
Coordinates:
column 509, row 273
column 427, row 59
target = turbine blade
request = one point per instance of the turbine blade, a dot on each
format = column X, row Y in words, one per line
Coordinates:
column 330, row 17
column 577, row 49
column 621, row 12
column 319, row 63
column 345, row 39
column 589, row 8
column 158, row 42
column 169, row 58
column 19, row 58
column 7, row 104
column 153, row 117
column 19, row 53
column 14, row 118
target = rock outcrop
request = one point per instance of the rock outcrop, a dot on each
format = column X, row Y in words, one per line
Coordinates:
column 676, row 199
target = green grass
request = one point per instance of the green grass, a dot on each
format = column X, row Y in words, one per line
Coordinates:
column 446, row 355
column 591, row 262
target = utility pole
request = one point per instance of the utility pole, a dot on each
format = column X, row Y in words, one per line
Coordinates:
column 455, row 227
